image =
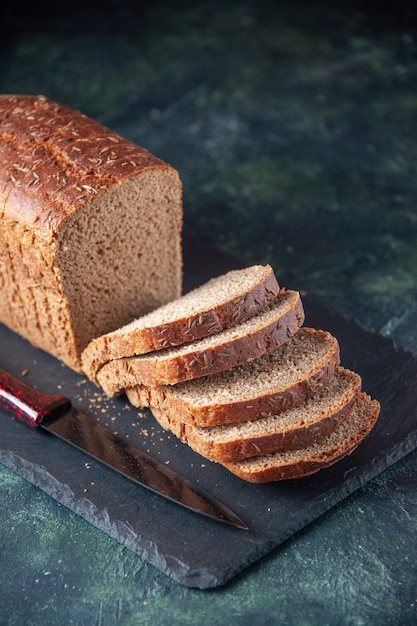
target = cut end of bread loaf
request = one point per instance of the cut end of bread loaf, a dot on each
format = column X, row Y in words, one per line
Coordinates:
column 283, row 378
column 322, row 454
column 90, row 228
column 110, row 275
column 213, row 354
column 220, row 303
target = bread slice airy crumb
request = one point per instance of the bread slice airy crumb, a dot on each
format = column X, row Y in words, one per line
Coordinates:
column 325, row 452
column 282, row 378
column 220, row 303
column 297, row 427
column 229, row 348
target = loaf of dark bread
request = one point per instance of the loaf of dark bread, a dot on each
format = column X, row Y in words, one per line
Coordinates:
column 90, row 227
column 90, row 239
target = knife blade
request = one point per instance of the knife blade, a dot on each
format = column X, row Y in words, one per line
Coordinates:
column 55, row 415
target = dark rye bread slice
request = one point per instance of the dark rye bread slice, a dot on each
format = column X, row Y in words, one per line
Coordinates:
column 294, row 428
column 220, row 303
column 210, row 355
column 283, row 378
column 299, row 463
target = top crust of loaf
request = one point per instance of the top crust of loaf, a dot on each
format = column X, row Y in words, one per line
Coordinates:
column 49, row 150
column 220, row 303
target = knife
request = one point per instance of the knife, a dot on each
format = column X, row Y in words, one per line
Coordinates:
column 55, row 415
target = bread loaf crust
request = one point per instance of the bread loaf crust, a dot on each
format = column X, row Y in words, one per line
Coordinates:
column 48, row 150
column 288, row 437
column 168, row 400
column 152, row 370
column 185, row 329
column 65, row 181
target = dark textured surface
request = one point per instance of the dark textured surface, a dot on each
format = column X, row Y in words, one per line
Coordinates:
column 293, row 126
column 189, row 548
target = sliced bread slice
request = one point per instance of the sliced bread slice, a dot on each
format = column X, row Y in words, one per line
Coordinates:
column 299, row 463
column 220, row 303
column 294, row 428
column 283, row 378
column 229, row 348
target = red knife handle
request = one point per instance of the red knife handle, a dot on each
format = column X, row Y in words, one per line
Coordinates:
column 27, row 404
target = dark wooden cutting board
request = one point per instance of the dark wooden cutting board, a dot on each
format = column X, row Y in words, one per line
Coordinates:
column 189, row 548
